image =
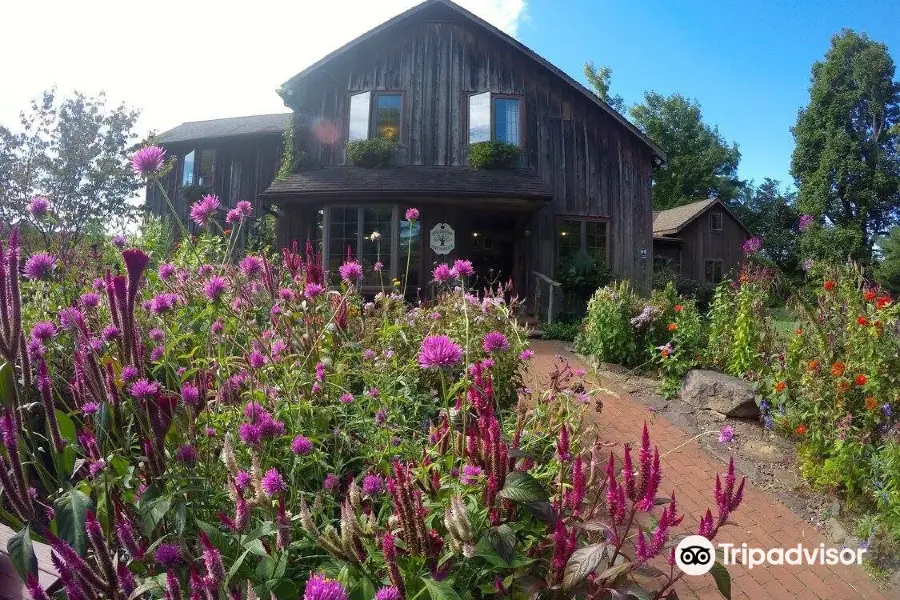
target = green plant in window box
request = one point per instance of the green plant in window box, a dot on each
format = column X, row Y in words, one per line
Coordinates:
column 493, row 155
column 192, row 193
column 371, row 154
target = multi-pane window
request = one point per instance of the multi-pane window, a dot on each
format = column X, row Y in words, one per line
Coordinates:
column 378, row 219
column 343, row 235
column 480, row 118
column 506, row 120
column 579, row 236
column 387, row 115
column 715, row 220
column 715, row 270
column 358, row 126
column 187, row 169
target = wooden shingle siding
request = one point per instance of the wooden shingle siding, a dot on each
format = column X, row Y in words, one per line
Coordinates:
column 592, row 163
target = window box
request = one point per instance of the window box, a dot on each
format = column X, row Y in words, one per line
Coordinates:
column 493, row 155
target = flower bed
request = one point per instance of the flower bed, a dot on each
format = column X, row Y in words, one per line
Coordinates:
column 196, row 428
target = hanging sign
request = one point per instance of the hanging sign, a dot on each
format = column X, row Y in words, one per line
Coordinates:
column 443, row 239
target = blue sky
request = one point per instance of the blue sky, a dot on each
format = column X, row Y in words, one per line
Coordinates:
column 746, row 62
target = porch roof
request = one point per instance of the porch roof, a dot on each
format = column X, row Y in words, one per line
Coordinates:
column 396, row 182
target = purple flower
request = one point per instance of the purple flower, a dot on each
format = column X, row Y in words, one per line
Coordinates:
column 805, row 222
column 250, row 433
column 373, row 485
column 70, row 317
column 332, row 481
column 244, row 208
column 526, row 355
column 470, row 474
column 273, row 483
column 148, row 160
column 242, row 480
column 165, row 271
column 439, row 351
column 320, row 587
column 210, row 432
column 203, row 209
column 43, row 330
column 187, row 455
column 129, row 372
column 378, row 266
column 142, row 389
column 886, row 409
column 752, row 245
column 157, row 335
column 190, row 394
column 312, row 290
column 726, row 435
column 119, row 241
column 167, row 555
column 256, row 359
column 270, row 428
column 301, row 445
column 214, row 288
column 495, row 342
column 286, row 294
column 40, row 266
column 380, row 416
column 442, row 273
column 373, row 392
column 368, row 354
column 463, row 268
column 251, row 266
column 217, row 327
column 157, row 353
column 412, row 214
column 38, row 207
column 111, row 332
column 90, row 300
column 163, row 303
column 346, row 398
column 90, row 408
column 351, row 272
column 388, row 593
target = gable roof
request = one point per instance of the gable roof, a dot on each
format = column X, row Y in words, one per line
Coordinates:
column 655, row 149
column 669, row 222
column 226, row 128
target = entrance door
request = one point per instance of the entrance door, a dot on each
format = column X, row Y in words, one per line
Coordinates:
column 492, row 248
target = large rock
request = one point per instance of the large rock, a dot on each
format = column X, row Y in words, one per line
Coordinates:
column 722, row 393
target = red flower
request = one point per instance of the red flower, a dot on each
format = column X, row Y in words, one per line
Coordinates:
column 837, row 369
column 861, row 379
column 882, row 301
column 862, row 321
column 798, row 331
column 678, row 308
column 801, row 429
column 673, row 326
column 869, row 295
column 779, row 387
column 829, row 285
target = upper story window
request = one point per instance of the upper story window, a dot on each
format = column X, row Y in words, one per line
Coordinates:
column 375, row 114
column 494, row 118
column 187, row 169
column 197, row 167
column 715, row 221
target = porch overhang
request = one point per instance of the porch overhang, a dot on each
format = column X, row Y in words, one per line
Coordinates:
column 513, row 188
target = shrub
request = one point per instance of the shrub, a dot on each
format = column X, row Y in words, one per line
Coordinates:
column 580, row 276
column 374, row 153
column 493, row 155
column 682, row 352
column 565, row 331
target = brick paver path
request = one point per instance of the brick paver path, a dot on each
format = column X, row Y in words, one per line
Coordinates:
column 762, row 521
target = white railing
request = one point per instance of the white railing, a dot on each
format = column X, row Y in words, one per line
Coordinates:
column 552, row 286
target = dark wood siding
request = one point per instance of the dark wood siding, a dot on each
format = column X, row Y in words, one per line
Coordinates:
column 701, row 243
column 594, row 165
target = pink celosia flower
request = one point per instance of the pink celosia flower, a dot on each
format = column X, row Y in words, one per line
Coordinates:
column 301, row 445
column 463, row 268
column 148, row 160
column 351, row 272
column 412, row 214
column 203, row 210
column 319, row 587
column 214, row 288
column 439, row 351
column 40, row 266
column 442, row 273
column 495, row 342
column 273, row 483
column 38, row 207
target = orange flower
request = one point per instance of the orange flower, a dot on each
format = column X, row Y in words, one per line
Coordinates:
column 798, row 331
column 227, row 232
column 801, row 429
column 862, row 321
column 869, row 295
column 665, row 352
column 779, row 387
column 837, row 369
column 829, row 285
column 678, row 308
column 871, row 403
column 813, row 365
column 673, row 326
column 861, row 379
column 843, row 385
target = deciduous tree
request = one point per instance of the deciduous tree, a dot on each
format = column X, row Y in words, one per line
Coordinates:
column 599, row 79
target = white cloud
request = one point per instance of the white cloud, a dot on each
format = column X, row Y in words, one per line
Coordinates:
column 185, row 60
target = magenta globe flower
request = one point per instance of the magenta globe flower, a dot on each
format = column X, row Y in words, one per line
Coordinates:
column 273, row 483
column 443, row 273
column 38, row 207
column 373, row 485
column 43, row 330
column 251, row 266
column 214, row 288
column 495, row 342
column 119, row 241
column 388, row 593
column 412, row 214
column 40, row 266
column 148, row 161
column 351, row 272
column 244, row 208
column 439, row 351
column 203, row 210
column 167, row 555
column 320, row 587
column 301, row 445
column 752, row 245
column 463, row 268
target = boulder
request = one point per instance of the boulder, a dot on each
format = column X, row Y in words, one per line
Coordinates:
column 722, row 393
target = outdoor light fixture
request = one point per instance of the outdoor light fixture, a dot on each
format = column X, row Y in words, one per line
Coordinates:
column 474, row 234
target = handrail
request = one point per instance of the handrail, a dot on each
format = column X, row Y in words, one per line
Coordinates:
column 545, row 278
column 552, row 284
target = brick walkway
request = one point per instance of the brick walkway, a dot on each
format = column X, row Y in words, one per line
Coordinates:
column 761, row 520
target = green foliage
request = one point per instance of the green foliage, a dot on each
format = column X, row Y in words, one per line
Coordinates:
column 888, row 269
column 599, row 80
column 565, row 331
column 682, row 351
column 493, row 155
column 374, row 153
column 846, row 160
column 771, row 213
column 700, row 292
column 701, row 164
column 580, row 276
column 75, row 152
column 292, row 157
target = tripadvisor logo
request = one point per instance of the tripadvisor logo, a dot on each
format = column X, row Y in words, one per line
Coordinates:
column 696, row 555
